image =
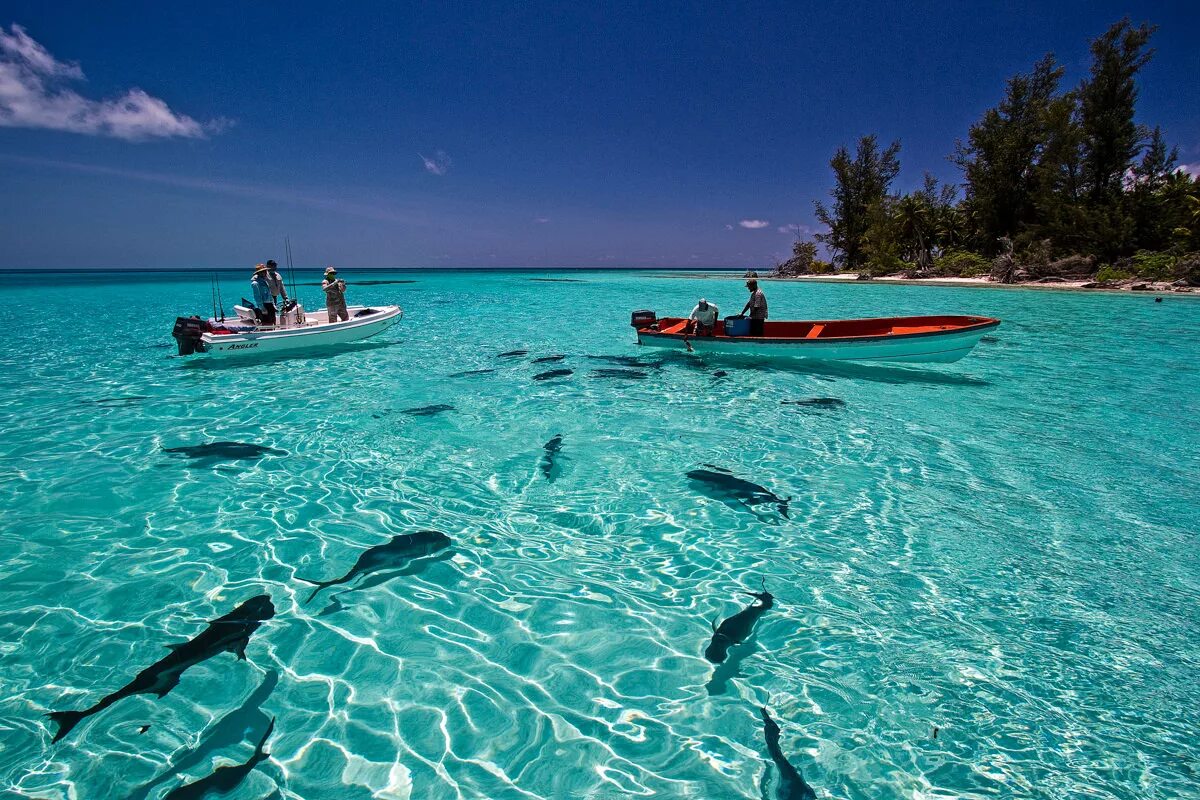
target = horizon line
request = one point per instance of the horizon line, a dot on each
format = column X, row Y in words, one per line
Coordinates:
column 690, row 268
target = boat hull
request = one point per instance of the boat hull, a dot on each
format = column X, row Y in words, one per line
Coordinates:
column 942, row 346
column 259, row 343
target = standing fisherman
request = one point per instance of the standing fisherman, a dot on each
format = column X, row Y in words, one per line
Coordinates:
column 335, row 295
column 278, row 290
column 757, row 306
column 260, row 285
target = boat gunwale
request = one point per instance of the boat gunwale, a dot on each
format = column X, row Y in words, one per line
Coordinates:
column 985, row 324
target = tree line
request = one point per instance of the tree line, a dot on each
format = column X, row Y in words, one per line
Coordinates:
column 1056, row 182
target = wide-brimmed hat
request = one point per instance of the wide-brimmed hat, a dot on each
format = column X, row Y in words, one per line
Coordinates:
column 330, row 271
column 260, row 268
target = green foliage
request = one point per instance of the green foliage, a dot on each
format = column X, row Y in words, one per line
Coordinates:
column 961, row 263
column 999, row 158
column 860, row 183
column 1056, row 177
column 1154, row 266
column 804, row 253
column 803, row 261
column 1157, row 199
column 1107, row 274
column 881, row 243
column 1057, row 215
column 1187, row 233
column 1111, row 139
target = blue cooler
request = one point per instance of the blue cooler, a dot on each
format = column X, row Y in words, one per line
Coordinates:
column 737, row 326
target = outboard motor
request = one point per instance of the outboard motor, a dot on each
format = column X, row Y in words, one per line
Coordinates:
column 187, row 333
column 643, row 319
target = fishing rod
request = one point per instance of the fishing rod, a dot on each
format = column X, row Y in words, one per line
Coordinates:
column 212, row 290
column 217, row 279
column 287, row 247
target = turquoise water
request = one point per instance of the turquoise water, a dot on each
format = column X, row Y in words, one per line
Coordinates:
column 1004, row 549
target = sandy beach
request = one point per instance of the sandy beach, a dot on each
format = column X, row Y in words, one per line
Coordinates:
column 1147, row 287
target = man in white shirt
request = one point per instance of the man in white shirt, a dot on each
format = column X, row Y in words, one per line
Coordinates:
column 704, row 317
column 275, row 281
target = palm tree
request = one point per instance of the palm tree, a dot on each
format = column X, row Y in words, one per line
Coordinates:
column 1190, row 234
column 914, row 218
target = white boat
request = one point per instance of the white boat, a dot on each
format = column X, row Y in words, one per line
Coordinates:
column 243, row 335
column 940, row 339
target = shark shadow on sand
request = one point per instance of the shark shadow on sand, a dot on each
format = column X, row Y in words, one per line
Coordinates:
column 731, row 667
column 418, row 565
column 224, row 780
column 791, row 785
column 231, row 729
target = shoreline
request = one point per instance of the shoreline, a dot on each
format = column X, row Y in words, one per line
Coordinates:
column 1082, row 286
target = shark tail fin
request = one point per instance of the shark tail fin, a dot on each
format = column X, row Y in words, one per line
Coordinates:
column 66, row 720
column 259, row 750
column 783, row 508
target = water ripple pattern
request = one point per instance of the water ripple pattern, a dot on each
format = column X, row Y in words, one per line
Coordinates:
column 1003, row 550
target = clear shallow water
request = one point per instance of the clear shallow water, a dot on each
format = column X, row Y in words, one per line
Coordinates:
column 1004, row 548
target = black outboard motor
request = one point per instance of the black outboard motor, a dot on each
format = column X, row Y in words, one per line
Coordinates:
column 187, row 333
column 643, row 319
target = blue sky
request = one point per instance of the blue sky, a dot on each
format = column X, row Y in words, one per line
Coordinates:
column 446, row 134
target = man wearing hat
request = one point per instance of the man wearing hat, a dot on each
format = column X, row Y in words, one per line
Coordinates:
column 704, row 317
column 757, row 306
column 278, row 290
column 335, row 295
column 260, row 285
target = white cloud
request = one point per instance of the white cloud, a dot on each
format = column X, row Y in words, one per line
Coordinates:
column 728, row 227
column 795, row 230
column 33, row 94
column 437, row 164
column 1190, row 169
column 541, row 220
column 754, row 224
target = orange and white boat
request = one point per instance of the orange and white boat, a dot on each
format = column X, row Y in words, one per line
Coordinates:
column 940, row 339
